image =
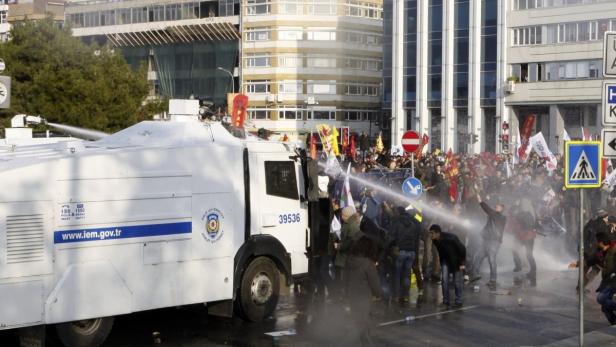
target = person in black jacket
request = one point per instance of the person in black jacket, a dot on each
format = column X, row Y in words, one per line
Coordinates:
column 492, row 235
column 452, row 254
column 405, row 231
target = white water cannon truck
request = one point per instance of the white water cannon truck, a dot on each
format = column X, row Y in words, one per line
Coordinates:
column 161, row 214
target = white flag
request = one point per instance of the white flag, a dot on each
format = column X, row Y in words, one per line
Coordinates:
column 610, row 180
column 509, row 174
column 538, row 143
column 566, row 135
column 335, row 227
column 346, row 198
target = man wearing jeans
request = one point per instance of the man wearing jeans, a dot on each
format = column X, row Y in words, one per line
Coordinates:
column 607, row 288
column 452, row 254
column 492, row 235
column 405, row 232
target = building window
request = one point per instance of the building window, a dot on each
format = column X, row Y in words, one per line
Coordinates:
column 258, row 113
column 257, row 60
column 581, row 69
column 257, row 86
column 290, row 60
column 290, row 114
column 290, row 86
column 140, row 15
column 291, row 7
column 352, row 115
column 323, row 114
column 321, row 34
column 322, row 7
column 291, row 34
column 260, row 34
column 257, row 7
column 108, row 17
column 321, row 62
column 321, row 87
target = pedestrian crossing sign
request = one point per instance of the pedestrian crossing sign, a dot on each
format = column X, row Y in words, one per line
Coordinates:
column 583, row 164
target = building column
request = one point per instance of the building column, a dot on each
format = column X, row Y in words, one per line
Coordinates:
column 501, row 71
column 422, row 69
column 398, row 124
column 557, row 124
column 448, row 116
column 475, row 113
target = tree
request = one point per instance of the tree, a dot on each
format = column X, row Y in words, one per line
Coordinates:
column 66, row 81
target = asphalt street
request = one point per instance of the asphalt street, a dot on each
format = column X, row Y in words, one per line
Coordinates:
column 519, row 314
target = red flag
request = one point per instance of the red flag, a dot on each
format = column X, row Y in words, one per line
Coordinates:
column 352, row 147
column 585, row 134
column 344, row 139
column 424, row 141
column 604, row 164
column 240, row 102
column 313, row 146
column 527, row 130
column 452, row 172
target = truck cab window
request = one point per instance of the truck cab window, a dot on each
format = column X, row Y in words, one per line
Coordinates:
column 280, row 179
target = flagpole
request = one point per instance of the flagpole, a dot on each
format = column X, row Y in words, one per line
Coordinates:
column 413, row 164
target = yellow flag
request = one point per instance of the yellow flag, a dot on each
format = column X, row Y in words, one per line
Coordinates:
column 379, row 143
column 334, row 141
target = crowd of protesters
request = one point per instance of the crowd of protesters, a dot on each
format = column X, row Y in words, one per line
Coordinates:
column 470, row 203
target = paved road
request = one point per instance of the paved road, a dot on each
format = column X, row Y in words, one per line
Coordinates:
column 547, row 313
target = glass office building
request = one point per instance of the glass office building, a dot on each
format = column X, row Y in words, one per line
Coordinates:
column 451, row 71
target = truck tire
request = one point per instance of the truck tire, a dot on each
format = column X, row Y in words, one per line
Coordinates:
column 259, row 289
column 84, row 333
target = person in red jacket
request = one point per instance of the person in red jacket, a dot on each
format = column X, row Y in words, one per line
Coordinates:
column 521, row 224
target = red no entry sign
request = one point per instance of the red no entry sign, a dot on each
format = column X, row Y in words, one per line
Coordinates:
column 410, row 141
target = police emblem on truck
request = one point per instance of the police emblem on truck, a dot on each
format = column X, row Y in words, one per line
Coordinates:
column 212, row 219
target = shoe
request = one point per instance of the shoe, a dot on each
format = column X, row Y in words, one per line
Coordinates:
column 458, row 305
column 517, row 269
column 444, row 305
column 531, row 276
column 491, row 285
column 474, row 279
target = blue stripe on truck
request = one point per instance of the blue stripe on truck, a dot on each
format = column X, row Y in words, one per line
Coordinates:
column 124, row 232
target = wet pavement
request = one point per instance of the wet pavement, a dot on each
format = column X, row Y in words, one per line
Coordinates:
column 519, row 314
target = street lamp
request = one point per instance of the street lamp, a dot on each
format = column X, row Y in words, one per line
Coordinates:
column 230, row 75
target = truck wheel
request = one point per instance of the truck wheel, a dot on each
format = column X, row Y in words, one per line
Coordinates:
column 84, row 333
column 259, row 290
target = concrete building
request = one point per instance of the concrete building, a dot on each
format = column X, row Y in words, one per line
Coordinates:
column 5, row 27
column 186, row 45
column 306, row 62
column 450, row 71
column 554, row 51
column 23, row 10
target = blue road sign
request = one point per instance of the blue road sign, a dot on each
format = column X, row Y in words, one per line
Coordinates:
column 582, row 164
column 412, row 188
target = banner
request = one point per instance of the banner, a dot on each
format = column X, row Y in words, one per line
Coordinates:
column 610, row 180
column 541, row 147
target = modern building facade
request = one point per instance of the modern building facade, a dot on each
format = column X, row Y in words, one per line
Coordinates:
column 23, row 10
column 186, row 45
column 554, row 53
column 306, row 62
column 450, row 71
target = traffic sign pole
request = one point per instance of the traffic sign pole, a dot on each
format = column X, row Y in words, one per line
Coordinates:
column 581, row 269
column 413, row 164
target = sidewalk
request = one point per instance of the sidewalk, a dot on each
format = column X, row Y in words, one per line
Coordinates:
column 601, row 337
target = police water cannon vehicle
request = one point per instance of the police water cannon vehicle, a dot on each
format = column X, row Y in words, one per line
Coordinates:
column 161, row 214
